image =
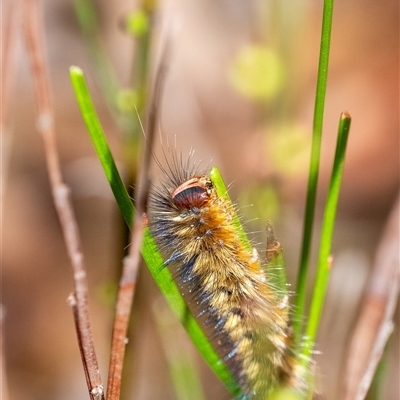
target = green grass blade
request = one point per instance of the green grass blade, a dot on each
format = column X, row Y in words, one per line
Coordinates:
column 98, row 138
column 314, row 167
column 324, row 258
column 150, row 253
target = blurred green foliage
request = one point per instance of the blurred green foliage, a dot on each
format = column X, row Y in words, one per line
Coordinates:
column 257, row 72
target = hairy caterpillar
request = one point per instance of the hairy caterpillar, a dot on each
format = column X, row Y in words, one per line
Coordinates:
column 224, row 281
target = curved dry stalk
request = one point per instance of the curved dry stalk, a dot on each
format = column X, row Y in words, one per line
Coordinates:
column 33, row 23
column 9, row 20
column 9, row 45
column 132, row 261
column 375, row 322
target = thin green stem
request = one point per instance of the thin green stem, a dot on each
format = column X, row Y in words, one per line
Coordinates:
column 325, row 258
column 88, row 21
column 181, row 366
column 314, row 167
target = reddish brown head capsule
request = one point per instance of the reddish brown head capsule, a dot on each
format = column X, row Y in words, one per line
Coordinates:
column 192, row 193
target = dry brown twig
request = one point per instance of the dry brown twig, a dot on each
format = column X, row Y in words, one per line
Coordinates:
column 375, row 322
column 10, row 18
column 34, row 37
column 9, row 45
column 132, row 261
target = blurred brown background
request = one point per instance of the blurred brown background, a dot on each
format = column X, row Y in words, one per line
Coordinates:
column 202, row 110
